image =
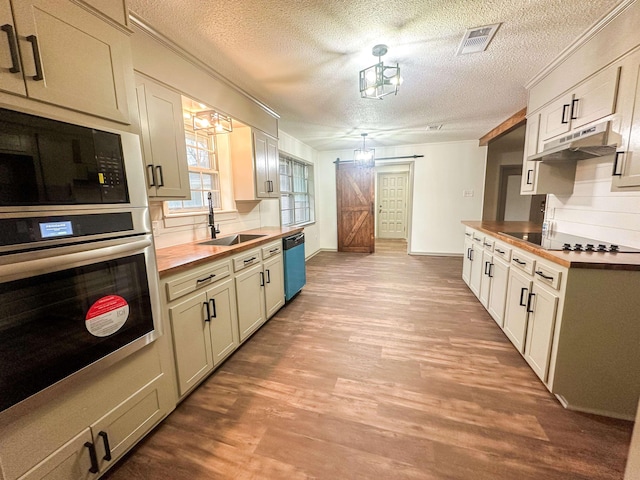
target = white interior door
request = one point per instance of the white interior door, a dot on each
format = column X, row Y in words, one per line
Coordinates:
column 392, row 205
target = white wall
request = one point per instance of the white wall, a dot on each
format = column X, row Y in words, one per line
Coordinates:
column 440, row 178
column 593, row 210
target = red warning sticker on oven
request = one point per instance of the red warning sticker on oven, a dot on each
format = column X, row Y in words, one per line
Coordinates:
column 107, row 315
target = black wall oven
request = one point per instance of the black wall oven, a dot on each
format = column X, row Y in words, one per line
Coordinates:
column 78, row 281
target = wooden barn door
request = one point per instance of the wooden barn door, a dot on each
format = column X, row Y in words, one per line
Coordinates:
column 355, row 192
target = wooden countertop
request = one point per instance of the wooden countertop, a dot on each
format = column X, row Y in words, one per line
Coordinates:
column 182, row 257
column 605, row 261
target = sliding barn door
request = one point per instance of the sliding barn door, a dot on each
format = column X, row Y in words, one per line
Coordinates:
column 355, row 191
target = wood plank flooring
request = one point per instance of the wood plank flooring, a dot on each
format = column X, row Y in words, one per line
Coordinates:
column 385, row 366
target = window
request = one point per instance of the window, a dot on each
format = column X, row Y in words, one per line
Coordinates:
column 203, row 172
column 296, row 188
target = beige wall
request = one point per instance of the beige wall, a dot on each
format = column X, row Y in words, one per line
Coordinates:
column 440, row 178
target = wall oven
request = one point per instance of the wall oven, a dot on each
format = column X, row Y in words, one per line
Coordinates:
column 78, row 279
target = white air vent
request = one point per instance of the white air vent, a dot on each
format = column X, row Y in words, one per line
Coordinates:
column 477, row 39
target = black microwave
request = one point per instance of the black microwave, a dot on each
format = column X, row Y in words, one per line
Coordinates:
column 48, row 162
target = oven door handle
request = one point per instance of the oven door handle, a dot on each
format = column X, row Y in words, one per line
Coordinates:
column 28, row 268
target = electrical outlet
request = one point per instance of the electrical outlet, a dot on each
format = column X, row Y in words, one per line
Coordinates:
column 467, row 193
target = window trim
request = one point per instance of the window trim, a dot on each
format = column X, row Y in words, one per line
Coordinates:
column 310, row 193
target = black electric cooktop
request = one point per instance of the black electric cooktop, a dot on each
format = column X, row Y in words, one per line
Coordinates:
column 566, row 242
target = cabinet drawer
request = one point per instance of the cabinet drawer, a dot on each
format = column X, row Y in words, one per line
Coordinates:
column 548, row 275
column 523, row 262
column 488, row 243
column 272, row 249
column 245, row 260
column 477, row 238
column 202, row 277
column 468, row 232
column 502, row 251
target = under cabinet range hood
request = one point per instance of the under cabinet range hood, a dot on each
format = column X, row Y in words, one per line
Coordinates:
column 585, row 143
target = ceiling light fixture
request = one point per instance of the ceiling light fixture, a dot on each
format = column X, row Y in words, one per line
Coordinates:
column 212, row 121
column 362, row 156
column 378, row 81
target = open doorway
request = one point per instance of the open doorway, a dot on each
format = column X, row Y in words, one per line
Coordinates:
column 393, row 197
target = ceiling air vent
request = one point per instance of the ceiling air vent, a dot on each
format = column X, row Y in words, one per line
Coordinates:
column 477, row 39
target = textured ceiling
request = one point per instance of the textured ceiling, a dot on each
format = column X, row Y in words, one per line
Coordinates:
column 302, row 58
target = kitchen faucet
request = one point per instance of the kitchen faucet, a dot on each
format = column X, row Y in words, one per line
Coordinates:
column 214, row 228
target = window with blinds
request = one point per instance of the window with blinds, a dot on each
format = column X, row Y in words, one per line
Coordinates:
column 296, row 189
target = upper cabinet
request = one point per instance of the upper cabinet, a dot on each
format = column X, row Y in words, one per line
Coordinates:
column 163, row 140
column 591, row 100
column 626, row 165
column 254, row 156
column 541, row 178
column 61, row 53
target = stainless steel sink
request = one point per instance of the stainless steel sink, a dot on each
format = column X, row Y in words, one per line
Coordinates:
column 232, row 239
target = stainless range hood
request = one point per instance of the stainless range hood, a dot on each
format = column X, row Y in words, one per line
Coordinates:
column 585, row 143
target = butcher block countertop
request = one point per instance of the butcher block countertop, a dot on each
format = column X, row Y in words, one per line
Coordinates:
column 183, row 257
column 606, row 261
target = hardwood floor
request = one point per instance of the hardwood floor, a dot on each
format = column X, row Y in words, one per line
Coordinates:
column 385, row 366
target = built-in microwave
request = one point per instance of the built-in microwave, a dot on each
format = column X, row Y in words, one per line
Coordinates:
column 49, row 163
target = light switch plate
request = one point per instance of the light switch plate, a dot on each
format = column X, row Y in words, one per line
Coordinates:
column 467, row 193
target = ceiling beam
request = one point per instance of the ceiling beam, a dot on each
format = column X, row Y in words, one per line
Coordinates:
column 511, row 123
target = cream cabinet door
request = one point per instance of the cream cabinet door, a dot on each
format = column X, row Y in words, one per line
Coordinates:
column 72, row 58
column 223, row 325
column 72, row 461
column 476, row 268
column 486, row 278
column 626, row 167
column 11, row 79
column 123, row 426
column 191, row 341
column 466, row 262
column 555, row 119
column 595, row 98
column 265, row 153
column 540, row 325
column 250, row 296
column 529, row 169
column 163, row 140
column 274, row 285
column 515, row 316
column 498, row 293
column 273, row 167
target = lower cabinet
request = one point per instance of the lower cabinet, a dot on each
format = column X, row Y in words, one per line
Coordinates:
column 274, row 285
column 543, row 305
column 486, row 279
column 515, row 316
column 498, row 292
column 205, row 332
column 98, row 446
column 260, row 294
column 216, row 306
column 251, row 306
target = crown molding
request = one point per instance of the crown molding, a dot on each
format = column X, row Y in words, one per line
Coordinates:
column 581, row 40
column 177, row 49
